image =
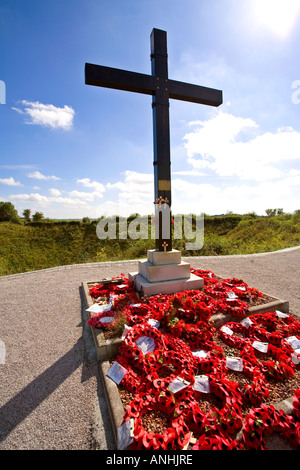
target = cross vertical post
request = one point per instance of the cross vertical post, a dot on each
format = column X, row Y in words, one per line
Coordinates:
column 161, row 131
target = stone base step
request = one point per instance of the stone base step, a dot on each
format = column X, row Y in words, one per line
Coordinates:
column 145, row 287
column 166, row 272
column 160, row 257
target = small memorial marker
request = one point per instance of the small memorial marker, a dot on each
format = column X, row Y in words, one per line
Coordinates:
column 200, row 353
column 125, row 437
column 99, row 308
column 164, row 245
column 145, row 344
column 246, row 322
column 234, row 363
column 107, row 319
column 126, row 329
column 116, row 372
column 231, row 296
column 201, row 384
column 154, row 323
column 260, row 346
column 293, row 341
column 178, row 384
column 227, row 330
column 281, row 314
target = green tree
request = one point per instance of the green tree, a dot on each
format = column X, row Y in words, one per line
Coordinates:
column 37, row 217
column 26, row 214
column 8, row 212
column 270, row 212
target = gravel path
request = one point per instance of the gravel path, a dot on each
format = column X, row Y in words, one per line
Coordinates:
column 51, row 395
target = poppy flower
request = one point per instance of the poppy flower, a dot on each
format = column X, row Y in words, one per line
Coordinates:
column 164, row 441
column 147, row 440
column 212, row 443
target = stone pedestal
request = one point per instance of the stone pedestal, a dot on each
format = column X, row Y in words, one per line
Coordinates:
column 164, row 273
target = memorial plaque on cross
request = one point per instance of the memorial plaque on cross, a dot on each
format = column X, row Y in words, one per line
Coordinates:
column 161, row 88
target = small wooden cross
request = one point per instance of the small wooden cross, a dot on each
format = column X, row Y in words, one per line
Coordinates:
column 159, row 200
column 164, row 245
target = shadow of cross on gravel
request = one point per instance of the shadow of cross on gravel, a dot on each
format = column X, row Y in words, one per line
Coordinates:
column 28, row 399
column 83, row 353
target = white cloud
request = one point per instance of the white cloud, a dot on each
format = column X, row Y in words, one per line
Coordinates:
column 54, row 192
column 240, row 198
column 46, row 200
column 92, row 184
column 39, row 176
column 136, row 184
column 294, row 172
column 135, row 193
column 32, row 197
column 10, row 182
column 189, row 173
column 47, row 115
column 217, row 145
column 87, row 196
column 67, row 201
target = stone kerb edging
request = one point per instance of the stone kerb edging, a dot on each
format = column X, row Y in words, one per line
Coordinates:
column 107, row 350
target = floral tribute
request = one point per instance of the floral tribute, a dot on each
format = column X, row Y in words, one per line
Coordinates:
column 174, row 367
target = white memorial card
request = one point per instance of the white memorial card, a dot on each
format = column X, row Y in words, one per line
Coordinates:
column 201, row 384
column 125, row 437
column 234, row 363
column 281, row 314
column 178, row 384
column 231, row 296
column 293, row 341
column 126, row 329
column 246, row 322
column 146, row 344
column 260, row 346
column 107, row 319
column 296, row 357
column 116, row 372
column 154, row 323
column 99, row 308
column 227, row 330
column 200, row 353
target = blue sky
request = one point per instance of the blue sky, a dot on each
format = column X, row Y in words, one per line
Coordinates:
column 71, row 150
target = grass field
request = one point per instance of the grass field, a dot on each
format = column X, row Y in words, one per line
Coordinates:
column 32, row 246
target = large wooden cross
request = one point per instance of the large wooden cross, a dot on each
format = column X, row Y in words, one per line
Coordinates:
column 161, row 88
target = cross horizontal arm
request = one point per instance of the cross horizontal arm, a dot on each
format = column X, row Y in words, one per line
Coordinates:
column 194, row 93
column 108, row 77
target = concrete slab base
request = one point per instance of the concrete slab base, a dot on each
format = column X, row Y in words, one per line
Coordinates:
column 145, row 287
